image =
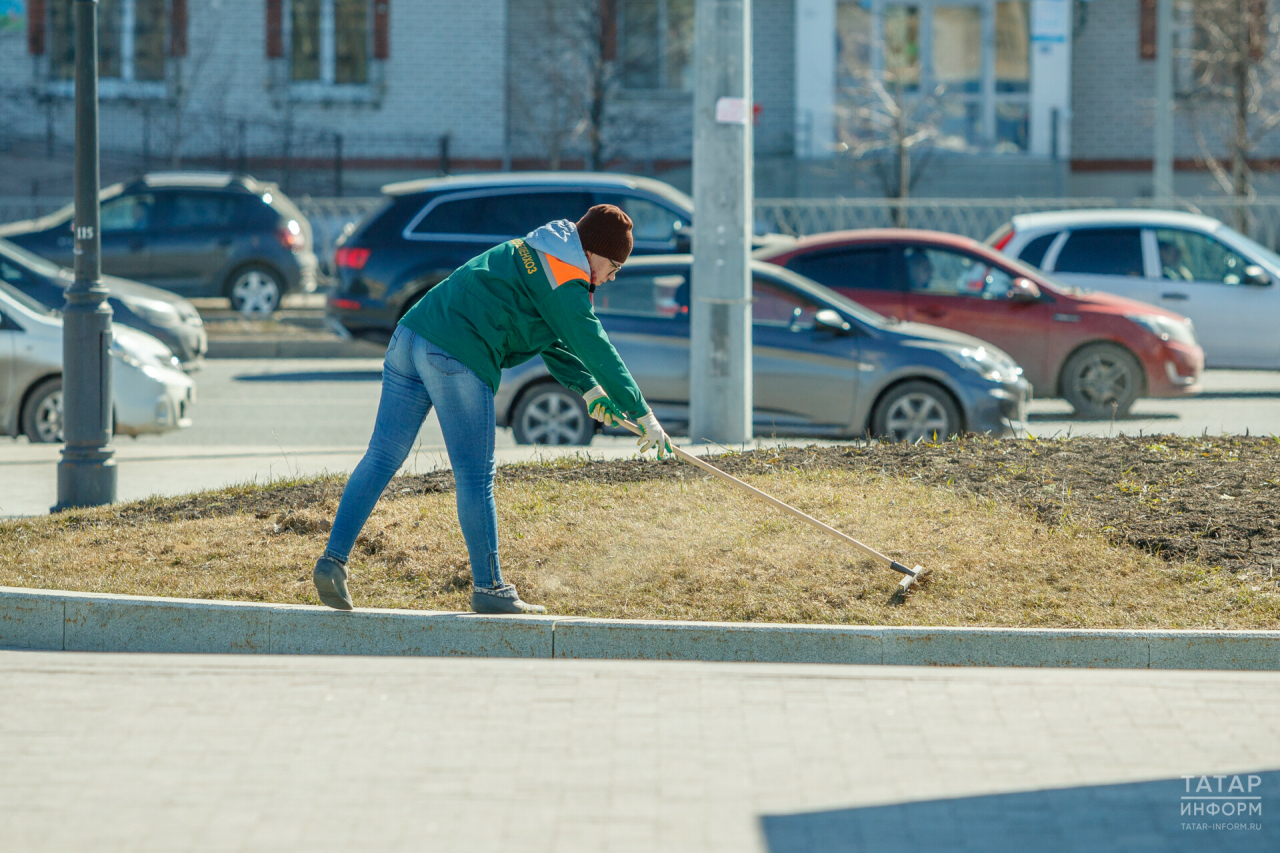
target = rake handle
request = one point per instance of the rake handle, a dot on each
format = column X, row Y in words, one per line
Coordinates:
column 770, row 499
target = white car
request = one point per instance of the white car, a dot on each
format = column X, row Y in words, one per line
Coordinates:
column 152, row 394
column 1194, row 265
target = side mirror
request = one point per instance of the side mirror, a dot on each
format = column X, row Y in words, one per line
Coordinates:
column 1256, row 276
column 1023, row 290
column 684, row 244
column 828, row 320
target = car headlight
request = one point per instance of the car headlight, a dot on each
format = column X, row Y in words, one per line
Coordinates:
column 1166, row 328
column 154, row 311
column 990, row 366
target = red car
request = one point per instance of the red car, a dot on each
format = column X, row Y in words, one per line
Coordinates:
column 1100, row 352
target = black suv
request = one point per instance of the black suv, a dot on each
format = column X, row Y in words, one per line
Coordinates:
column 424, row 230
column 193, row 233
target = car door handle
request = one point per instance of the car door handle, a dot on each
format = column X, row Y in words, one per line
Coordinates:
column 1181, row 296
column 933, row 311
column 137, row 245
column 224, row 241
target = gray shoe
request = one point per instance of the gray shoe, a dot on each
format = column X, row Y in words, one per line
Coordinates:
column 502, row 599
column 330, row 577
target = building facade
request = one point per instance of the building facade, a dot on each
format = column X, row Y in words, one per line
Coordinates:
column 987, row 97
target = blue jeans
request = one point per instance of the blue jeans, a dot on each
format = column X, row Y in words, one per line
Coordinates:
column 417, row 375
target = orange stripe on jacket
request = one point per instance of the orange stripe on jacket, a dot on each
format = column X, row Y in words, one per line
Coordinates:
column 562, row 272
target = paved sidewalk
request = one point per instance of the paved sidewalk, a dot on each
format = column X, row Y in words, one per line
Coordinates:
column 143, row 752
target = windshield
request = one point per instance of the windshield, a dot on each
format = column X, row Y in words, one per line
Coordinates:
column 845, row 304
column 33, row 262
column 25, row 301
column 1249, row 247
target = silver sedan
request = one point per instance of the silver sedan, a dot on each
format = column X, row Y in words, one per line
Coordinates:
column 151, row 394
column 823, row 365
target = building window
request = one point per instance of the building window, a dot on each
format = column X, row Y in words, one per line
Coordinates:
column 970, row 57
column 131, row 39
column 329, row 41
column 655, row 44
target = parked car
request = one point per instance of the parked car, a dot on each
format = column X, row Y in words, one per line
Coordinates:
column 424, row 230
column 159, row 313
column 1195, row 265
column 1100, row 352
column 151, row 395
column 193, row 233
column 822, row 365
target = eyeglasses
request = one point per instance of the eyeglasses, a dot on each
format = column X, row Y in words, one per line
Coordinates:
column 616, row 266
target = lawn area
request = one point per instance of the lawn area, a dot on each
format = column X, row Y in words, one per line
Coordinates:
column 1075, row 533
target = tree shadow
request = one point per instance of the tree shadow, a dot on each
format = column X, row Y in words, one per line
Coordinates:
column 1139, row 816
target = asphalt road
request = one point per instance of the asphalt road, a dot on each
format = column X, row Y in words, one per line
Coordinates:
column 302, row 403
column 265, row 418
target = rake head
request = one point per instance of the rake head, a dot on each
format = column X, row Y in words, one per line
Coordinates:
column 911, row 577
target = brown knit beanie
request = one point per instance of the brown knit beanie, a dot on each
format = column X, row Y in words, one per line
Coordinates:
column 606, row 231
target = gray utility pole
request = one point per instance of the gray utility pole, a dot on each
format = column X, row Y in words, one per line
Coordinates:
column 87, row 471
column 720, row 313
column 1162, row 164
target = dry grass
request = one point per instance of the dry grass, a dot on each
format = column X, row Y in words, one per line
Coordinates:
column 665, row 549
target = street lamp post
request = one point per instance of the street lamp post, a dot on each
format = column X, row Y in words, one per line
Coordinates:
column 87, row 471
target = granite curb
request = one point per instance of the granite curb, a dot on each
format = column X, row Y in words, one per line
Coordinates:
column 77, row 621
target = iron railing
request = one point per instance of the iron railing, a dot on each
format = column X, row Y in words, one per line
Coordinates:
column 1259, row 218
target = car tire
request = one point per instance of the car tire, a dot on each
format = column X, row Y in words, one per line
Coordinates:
column 255, row 291
column 549, row 413
column 1102, row 381
column 42, row 414
column 916, row 410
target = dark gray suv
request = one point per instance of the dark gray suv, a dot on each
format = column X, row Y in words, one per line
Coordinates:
column 195, row 234
column 424, row 230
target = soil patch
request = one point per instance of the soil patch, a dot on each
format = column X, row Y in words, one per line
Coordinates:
column 1211, row 500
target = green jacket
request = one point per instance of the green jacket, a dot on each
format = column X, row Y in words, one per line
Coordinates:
column 513, row 302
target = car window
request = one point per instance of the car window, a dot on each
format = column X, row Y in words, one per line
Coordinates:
column 946, row 273
column 1033, row 252
column 48, row 292
column 24, row 300
column 1189, row 256
column 128, row 213
column 1102, row 251
column 773, row 305
column 504, row 215
column 189, row 211
column 644, row 295
column 649, row 220
column 856, row 269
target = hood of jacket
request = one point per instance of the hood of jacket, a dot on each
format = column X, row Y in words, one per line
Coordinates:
column 560, row 239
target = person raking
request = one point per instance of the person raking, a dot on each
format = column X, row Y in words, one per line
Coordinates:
column 523, row 298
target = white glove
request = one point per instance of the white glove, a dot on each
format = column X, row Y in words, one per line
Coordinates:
column 654, row 436
column 600, row 407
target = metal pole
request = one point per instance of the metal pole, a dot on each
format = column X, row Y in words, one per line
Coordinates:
column 1162, row 164
column 720, row 384
column 87, row 471
column 337, row 165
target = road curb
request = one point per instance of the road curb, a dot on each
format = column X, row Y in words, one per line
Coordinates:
column 291, row 347
column 77, row 621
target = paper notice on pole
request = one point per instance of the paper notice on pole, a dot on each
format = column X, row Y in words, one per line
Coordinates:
column 731, row 111
column 1050, row 20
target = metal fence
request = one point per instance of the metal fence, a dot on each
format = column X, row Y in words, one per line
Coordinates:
column 1259, row 218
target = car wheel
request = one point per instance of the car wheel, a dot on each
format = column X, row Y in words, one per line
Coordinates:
column 552, row 414
column 916, row 410
column 255, row 291
column 42, row 416
column 1102, row 381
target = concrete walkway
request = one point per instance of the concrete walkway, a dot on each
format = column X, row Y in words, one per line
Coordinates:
column 170, row 752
